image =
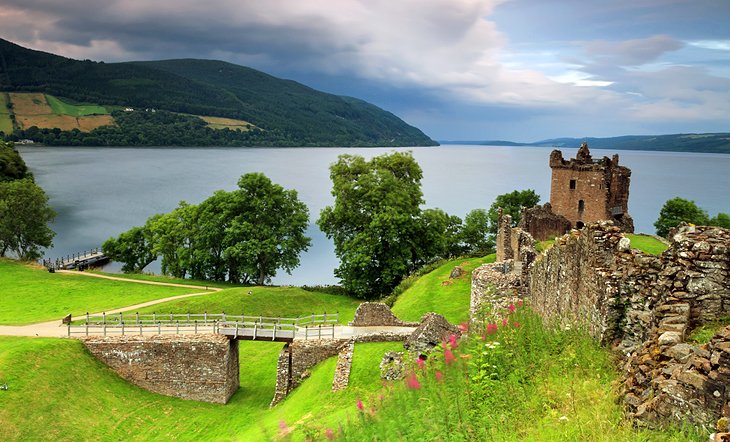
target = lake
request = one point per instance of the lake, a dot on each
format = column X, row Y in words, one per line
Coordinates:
column 101, row 192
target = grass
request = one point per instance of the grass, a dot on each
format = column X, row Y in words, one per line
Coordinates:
column 6, row 124
column 647, row 243
column 58, row 391
column 705, row 332
column 75, row 110
column 227, row 123
column 436, row 292
column 522, row 382
column 170, row 279
column 31, row 294
column 541, row 246
column 265, row 301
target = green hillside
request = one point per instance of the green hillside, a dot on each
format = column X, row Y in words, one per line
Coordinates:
column 287, row 113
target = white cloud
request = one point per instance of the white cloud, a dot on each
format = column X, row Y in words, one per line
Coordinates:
column 719, row 45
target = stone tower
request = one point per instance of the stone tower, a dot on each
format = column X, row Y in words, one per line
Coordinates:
column 584, row 190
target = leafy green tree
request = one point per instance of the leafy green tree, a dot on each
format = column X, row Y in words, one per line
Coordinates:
column 512, row 204
column 133, row 248
column 376, row 222
column 721, row 220
column 265, row 230
column 475, row 233
column 441, row 235
column 677, row 210
column 24, row 218
column 12, row 166
column 174, row 236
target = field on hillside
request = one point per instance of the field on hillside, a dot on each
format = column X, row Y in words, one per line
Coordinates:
column 6, row 124
column 227, row 123
column 46, row 111
column 31, row 294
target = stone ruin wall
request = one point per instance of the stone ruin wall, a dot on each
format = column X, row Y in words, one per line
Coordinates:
column 201, row 367
column 308, row 353
column 542, row 223
column 646, row 306
column 370, row 314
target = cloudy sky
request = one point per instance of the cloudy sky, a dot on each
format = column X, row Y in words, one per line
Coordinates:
column 521, row 70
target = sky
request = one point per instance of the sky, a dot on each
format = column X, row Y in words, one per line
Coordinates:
column 519, row 70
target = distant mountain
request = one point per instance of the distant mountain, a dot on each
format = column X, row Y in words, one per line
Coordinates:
column 282, row 112
column 706, row 142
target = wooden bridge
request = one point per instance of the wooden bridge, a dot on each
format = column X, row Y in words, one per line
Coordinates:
column 253, row 328
column 78, row 261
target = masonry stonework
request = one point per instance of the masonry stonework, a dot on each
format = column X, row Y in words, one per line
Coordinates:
column 645, row 306
column 202, row 367
column 377, row 314
column 585, row 190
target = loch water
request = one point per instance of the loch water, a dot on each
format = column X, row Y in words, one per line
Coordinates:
column 100, row 192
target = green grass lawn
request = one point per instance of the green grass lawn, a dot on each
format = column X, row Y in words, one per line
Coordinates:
column 58, row 391
column 81, row 110
column 170, row 279
column 646, row 243
column 435, row 292
column 264, row 301
column 31, row 294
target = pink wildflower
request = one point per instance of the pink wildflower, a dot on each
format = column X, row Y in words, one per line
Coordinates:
column 329, row 434
column 439, row 376
column 360, row 406
column 283, row 427
column 512, row 308
column 452, row 341
column 421, row 363
column 520, row 303
column 464, row 327
column 448, row 356
column 412, row 382
column 516, row 324
column 491, row 328
column 504, row 322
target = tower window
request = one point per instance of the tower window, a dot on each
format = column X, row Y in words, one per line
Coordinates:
column 581, row 205
column 572, row 184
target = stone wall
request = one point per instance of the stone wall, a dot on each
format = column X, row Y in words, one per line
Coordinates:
column 377, row 314
column 202, row 367
column 646, row 306
column 504, row 242
column 493, row 288
column 542, row 223
column 308, row 353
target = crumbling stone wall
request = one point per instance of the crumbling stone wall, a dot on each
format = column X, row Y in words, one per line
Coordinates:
column 377, row 314
column 646, row 306
column 201, row 367
column 493, row 288
column 505, row 249
column 305, row 354
column 542, row 223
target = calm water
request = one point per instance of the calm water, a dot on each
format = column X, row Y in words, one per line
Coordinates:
column 101, row 192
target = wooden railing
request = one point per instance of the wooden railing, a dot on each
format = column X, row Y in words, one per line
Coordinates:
column 235, row 326
column 70, row 261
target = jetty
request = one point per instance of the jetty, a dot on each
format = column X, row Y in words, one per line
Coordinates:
column 77, row 261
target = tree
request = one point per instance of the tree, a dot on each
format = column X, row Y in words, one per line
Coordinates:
column 511, row 204
column 677, row 210
column 133, row 248
column 376, row 222
column 721, row 220
column 475, row 233
column 12, row 166
column 24, row 218
column 265, row 231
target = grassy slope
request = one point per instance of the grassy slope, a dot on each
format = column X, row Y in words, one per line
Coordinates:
column 61, row 108
column 647, row 243
column 6, row 125
column 60, row 392
column 264, row 301
column 31, row 294
column 435, row 292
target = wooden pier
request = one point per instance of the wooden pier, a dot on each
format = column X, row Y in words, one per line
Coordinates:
column 77, row 261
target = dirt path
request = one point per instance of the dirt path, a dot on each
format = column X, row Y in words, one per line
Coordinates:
column 55, row 329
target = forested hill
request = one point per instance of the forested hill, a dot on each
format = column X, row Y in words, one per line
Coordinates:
column 702, row 142
column 281, row 112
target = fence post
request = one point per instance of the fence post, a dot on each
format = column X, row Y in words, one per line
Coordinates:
column 87, row 329
column 223, row 316
column 104, row 329
column 205, row 317
column 122, row 328
column 103, row 317
column 320, row 332
column 337, row 317
column 136, row 317
column 178, row 327
column 140, row 328
column 325, row 317
column 154, row 317
column 235, row 336
column 196, row 326
column 273, row 338
column 87, row 317
column 69, row 329
column 159, row 328
column 255, row 331
column 170, row 316
column 120, row 317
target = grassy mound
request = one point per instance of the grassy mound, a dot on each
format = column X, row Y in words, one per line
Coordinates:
column 31, row 294
column 647, row 243
column 58, row 391
column 436, row 292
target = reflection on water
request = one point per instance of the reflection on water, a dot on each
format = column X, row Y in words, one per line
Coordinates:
column 101, row 192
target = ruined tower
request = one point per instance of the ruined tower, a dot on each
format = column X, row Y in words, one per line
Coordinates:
column 584, row 190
